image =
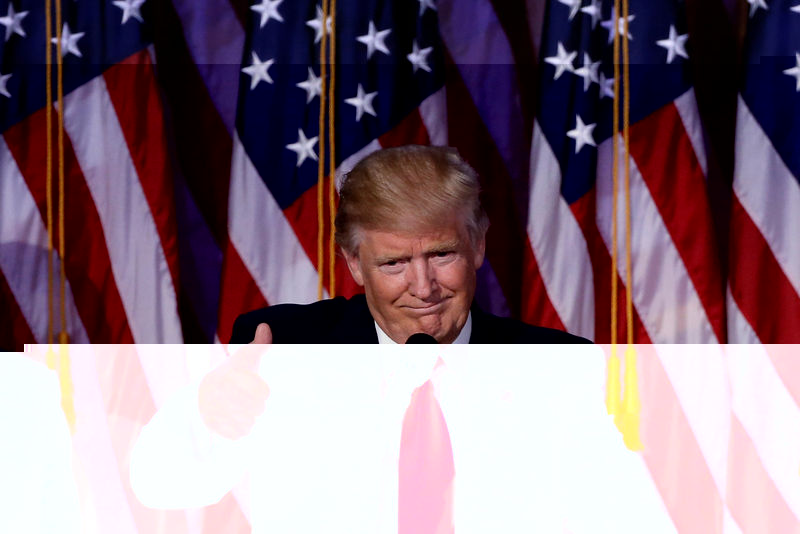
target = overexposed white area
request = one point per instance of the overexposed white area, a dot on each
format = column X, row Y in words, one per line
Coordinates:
column 533, row 448
column 38, row 493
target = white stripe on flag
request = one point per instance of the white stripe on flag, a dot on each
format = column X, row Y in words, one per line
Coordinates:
column 558, row 242
column 769, row 415
column 433, row 111
column 739, row 329
column 23, row 255
column 698, row 377
column 264, row 239
column 768, row 192
column 729, row 525
column 348, row 164
column 134, row 248
column 686, row 104
column 663, row 293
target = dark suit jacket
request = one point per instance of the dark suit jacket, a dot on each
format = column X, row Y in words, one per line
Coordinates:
column 342, row 320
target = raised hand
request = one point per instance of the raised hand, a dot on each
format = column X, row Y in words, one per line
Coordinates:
column 233, row 395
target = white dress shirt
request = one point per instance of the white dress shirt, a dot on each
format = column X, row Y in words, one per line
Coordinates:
column 461, row 339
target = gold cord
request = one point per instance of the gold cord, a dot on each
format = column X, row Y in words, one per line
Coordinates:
column 61, row 362
column 626, row 412
column 323, row 72
column 48, row 25
column 626, row 134
column 62, row 338
column 612, row 383
column 332, row 166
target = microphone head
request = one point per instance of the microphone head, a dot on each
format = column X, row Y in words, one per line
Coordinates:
column 421, row 339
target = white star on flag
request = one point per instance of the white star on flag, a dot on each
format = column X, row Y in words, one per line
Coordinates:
column 312, row 85
column 426, row 4
column 375, row 40
column 606, row 86
column 13, row 22
column 304, row 147
column 796, row 8
column 594, row 10
column 573, row 6
column 268, row 10
column 755, row 4
column 795, row 71
column 3, row 85
column 316, row 24
column 675, row 44
column 582, row 134
column 130, row 9
column 419, row 58
column 562, row 61
column 363, row 103
column 258, row 71
column 69, row 41
column 609, row 26
column 589, row 71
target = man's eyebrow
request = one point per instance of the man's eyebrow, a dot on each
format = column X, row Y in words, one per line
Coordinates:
column 389, row 257
column 447, row 246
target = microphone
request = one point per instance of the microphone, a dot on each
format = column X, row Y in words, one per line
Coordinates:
column 421, row 339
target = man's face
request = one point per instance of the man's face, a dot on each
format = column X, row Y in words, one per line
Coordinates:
column 418, row 282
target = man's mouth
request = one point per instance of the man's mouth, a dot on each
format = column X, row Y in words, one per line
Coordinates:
column 426, row 309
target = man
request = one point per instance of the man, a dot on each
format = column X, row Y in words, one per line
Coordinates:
column 413, row 232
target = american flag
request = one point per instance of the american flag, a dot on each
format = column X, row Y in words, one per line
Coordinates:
column 764, row 285
column 191, row 197
column 196, row 124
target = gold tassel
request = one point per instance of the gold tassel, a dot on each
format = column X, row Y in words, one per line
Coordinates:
column 613, row 385
column 629, row 417
column 65, row 379
column 61, row 364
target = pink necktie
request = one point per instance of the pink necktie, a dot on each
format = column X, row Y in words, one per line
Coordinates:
column 425, row 503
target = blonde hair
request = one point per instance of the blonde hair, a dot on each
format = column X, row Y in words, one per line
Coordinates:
column 409, row 188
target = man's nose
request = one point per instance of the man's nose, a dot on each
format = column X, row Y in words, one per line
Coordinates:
column 422, row 280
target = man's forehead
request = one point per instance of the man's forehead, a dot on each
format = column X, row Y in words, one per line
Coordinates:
column 401, row 241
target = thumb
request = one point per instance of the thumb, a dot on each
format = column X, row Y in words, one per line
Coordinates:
column 263, row 335
column 249, row 356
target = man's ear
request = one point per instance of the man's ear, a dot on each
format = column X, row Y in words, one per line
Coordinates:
column 354, row 264
column 480, row 251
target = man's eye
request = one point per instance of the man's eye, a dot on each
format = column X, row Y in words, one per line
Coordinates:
column 390, row 263
column 444, row 253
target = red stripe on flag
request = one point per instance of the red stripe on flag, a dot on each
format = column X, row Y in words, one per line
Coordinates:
column 410, row 131
column 672, row 454
column 585, row 211
column 14, row 329
column 238, row 293
column 536, row 306
column 135, row 96
column 87, row 264
column 673, row 175
column 507, row 247
column 302, row 217
column 758, row 284
column 754, row 501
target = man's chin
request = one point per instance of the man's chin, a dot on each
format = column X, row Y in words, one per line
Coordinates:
column 433, row 326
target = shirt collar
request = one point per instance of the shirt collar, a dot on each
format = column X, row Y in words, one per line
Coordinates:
column 461, row 339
